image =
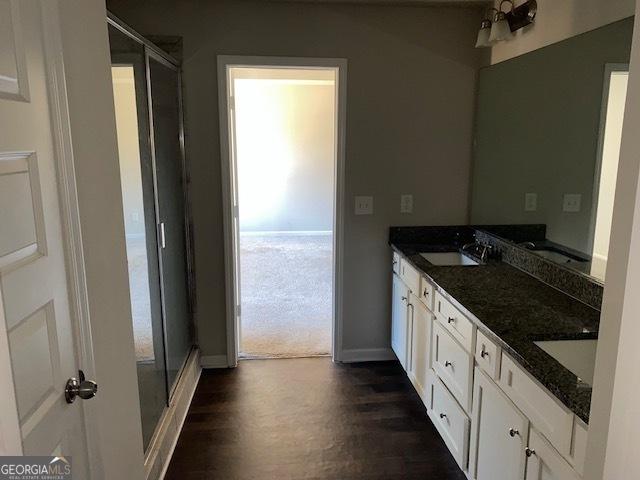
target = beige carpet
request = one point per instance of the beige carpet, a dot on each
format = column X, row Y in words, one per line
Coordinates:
column 286, row 295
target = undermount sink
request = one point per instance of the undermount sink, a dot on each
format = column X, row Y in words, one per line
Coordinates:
column 577, row 356
column 448, row 259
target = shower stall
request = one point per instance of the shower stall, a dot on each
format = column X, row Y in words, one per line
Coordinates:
column 147, row 100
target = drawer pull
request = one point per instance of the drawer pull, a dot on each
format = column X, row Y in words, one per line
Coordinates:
column 451, row 320
column 425, row 293
column 448, row 364
column 484, row 353
column 529, row 452
column 513, row 432
column 443, row 415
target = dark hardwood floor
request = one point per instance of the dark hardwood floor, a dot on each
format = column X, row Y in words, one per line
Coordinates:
column 309, row 419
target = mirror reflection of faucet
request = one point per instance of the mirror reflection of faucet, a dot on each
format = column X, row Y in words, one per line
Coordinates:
column 482, row 249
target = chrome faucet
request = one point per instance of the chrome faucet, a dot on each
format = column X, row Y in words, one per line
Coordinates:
column 482, row 247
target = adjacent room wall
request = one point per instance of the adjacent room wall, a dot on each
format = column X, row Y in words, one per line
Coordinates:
column 411, row 93
column 285, row 151
column 558, row 20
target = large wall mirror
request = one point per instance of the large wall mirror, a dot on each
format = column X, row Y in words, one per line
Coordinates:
column 547, row 143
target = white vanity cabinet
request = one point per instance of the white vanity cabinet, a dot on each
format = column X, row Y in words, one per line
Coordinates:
column 400, row 320
column 498, row 421
column 499, row 434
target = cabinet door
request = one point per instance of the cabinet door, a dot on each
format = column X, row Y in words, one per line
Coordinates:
column 420, row 329
column 499, row 434
column 399, row 317
column 545, row 463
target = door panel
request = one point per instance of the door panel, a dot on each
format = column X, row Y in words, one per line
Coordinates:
column 499, row 434
column 33, row 273
column 545, row 463
column 166, row 129
column 399, row 317
column 420, row 345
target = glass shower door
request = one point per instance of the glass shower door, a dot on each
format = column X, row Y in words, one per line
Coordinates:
column 164, row 83
column 137, row 183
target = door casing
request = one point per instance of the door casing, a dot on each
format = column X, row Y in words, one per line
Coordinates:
column 230, row 250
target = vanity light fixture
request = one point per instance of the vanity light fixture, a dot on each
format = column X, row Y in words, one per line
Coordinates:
column 485, row 30
column 505, row 23
column 500, row 30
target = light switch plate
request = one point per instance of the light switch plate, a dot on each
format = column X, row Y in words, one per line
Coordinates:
column 571, row 202
column 364, row 205
column 530, row 202
column 406, row 203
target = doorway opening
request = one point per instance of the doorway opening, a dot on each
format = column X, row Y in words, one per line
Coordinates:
column 612, row 116
column 283, row 134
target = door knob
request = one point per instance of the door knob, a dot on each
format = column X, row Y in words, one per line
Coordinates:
column 79, row 387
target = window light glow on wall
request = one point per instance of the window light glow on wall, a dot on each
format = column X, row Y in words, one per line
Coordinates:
column 499, row 25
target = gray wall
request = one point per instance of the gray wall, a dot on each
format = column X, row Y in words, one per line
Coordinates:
column 537, row 125
column 411, row 96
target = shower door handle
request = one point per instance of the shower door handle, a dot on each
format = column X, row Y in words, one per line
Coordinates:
column 163, row 238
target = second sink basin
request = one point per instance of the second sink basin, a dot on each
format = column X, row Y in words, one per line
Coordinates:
column 578, row 356
column 448, row 259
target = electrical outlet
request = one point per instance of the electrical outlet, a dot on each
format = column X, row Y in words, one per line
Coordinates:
column 406, row 203
column 364, row 205
column 530, row 202
column 571, row 202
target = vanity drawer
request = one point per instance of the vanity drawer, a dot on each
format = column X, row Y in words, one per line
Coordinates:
column 454, row 321
column 426, row 293
column 410, row 276
column 452, row 423
column 453, row 364
column 395, row 263
column 488, row 355
column 544, row 410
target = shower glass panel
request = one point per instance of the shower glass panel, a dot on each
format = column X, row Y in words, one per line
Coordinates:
column 164, row 81
column 137, row 182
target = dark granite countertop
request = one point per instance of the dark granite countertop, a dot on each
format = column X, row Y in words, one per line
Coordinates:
column 515, row 310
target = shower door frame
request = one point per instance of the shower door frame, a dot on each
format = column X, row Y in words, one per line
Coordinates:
column 151, row 51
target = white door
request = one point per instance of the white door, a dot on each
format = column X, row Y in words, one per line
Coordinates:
column 545, row 463
column 399, row 317
column 499, row 434
column 38, row 334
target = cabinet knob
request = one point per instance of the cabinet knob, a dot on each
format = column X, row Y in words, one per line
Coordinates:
column 448, row 364
column 529, row 452
column 451, row 320
column 425, row 293
column 443, row 415
column 484, row 353
column 404, row 299
column 513, row 432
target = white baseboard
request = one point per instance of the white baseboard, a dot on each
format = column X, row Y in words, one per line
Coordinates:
column 214, row 361
column 163, row 442
column 367, row 355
